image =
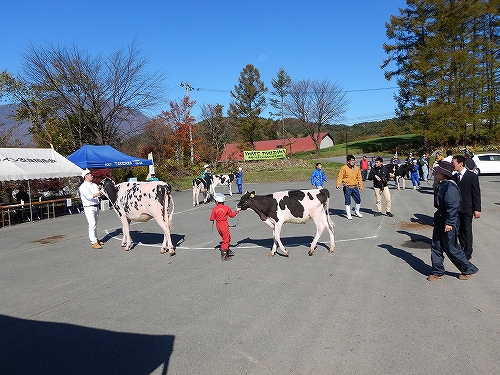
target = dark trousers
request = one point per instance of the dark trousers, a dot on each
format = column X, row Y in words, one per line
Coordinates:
column 465, row 234
column 447, row 242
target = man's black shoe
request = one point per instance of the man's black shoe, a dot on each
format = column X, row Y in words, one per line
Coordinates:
column 390, row 214
column 377, row 214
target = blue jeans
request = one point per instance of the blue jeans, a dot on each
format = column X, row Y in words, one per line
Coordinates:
column 351, row 192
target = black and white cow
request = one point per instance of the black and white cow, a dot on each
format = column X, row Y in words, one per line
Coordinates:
column 200, row 185
column 399, row 173
column 294, row 206
column 142, row 201
column 223, row 179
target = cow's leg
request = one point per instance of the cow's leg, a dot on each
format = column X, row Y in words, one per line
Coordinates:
column 167, row 240
column 273, row 249
column 127, row 240
column 322, row 223
column 277, row 239
column 196, row 193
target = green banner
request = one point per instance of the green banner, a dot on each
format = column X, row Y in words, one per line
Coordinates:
column 279, row 153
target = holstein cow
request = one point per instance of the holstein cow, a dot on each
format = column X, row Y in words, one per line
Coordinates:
column 399, row 172
column 294, row 206
column 142, row 201
column 223, row 179
column 200, row 185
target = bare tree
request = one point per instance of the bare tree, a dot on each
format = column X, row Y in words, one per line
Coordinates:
column 96, row 96
column 316, row 104
column 215, row 129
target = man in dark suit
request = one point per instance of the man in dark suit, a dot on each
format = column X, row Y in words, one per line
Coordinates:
column 470, row 206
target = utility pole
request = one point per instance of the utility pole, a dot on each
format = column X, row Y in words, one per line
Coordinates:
column 189, row 88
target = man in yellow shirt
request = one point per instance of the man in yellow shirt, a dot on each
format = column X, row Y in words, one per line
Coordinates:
column 350, row 179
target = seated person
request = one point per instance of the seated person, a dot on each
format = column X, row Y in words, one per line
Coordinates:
column 22, row 195
column 7, row 198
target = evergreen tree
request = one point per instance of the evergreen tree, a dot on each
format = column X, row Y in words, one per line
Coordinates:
column 281, row 83
column 445, row 61
column 249, row 102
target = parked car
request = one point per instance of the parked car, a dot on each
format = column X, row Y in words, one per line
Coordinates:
column 487, row 163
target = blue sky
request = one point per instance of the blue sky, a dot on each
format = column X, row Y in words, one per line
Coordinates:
column 208, row 43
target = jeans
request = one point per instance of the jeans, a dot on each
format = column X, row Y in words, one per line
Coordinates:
column 351, row 192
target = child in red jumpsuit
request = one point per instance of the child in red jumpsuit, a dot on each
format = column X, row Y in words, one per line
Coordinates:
column 220, row 213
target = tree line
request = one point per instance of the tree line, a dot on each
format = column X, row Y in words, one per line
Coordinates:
column 444, row 56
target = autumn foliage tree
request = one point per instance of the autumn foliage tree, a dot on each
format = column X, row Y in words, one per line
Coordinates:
column 173, row 131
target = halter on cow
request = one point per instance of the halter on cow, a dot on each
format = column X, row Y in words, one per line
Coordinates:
column 142, row 201
column 295, row 206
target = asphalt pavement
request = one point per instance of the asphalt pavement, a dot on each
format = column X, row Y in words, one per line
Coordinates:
column 367, row 308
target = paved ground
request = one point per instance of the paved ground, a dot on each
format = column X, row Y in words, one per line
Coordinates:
column 365, row 309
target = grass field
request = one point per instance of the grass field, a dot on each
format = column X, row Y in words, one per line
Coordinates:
column 298, row 167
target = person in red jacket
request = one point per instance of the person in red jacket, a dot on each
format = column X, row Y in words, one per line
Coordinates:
column 220, row 213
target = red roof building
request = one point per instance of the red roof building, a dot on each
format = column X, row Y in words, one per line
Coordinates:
column 233, row 152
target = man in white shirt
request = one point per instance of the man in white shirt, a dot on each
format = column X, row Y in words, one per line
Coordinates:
column 89, row 193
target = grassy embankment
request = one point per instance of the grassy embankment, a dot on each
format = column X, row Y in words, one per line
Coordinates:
column 298, row 167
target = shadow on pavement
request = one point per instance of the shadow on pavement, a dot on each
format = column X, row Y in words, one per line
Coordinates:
column 36, row 347
column 288, row 242
column 416, row 263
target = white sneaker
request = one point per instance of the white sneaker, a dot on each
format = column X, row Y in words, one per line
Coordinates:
column 358, row 214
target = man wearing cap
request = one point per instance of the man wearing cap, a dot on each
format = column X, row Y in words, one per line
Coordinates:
column 446, row 223
column 220, row 213
column 89, row 194
column 470, row 206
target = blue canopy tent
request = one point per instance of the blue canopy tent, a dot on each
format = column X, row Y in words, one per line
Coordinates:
column 89, row 156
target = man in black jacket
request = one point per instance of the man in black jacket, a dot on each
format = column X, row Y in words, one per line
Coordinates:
column 470, row 206
column 380, row 176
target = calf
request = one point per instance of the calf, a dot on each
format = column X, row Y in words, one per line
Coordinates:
column 202, row 185
column 294, row 206
column 399, row 172
column 223, row 179
column 142, row 201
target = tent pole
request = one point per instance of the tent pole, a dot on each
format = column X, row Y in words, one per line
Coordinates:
column 31, row 207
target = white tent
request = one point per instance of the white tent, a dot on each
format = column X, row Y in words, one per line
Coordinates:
column 33, row 163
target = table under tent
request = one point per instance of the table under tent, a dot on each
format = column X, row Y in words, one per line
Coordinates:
column 17, row 164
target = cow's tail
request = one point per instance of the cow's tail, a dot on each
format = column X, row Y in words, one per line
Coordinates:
column 168, row 208
column 327, row 209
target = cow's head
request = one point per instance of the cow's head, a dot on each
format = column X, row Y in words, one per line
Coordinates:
column 244, row 202
column 109, row 189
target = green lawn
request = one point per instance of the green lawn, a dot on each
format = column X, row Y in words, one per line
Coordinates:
column 298, row 167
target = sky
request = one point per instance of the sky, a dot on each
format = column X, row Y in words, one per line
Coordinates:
column 208, row 43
